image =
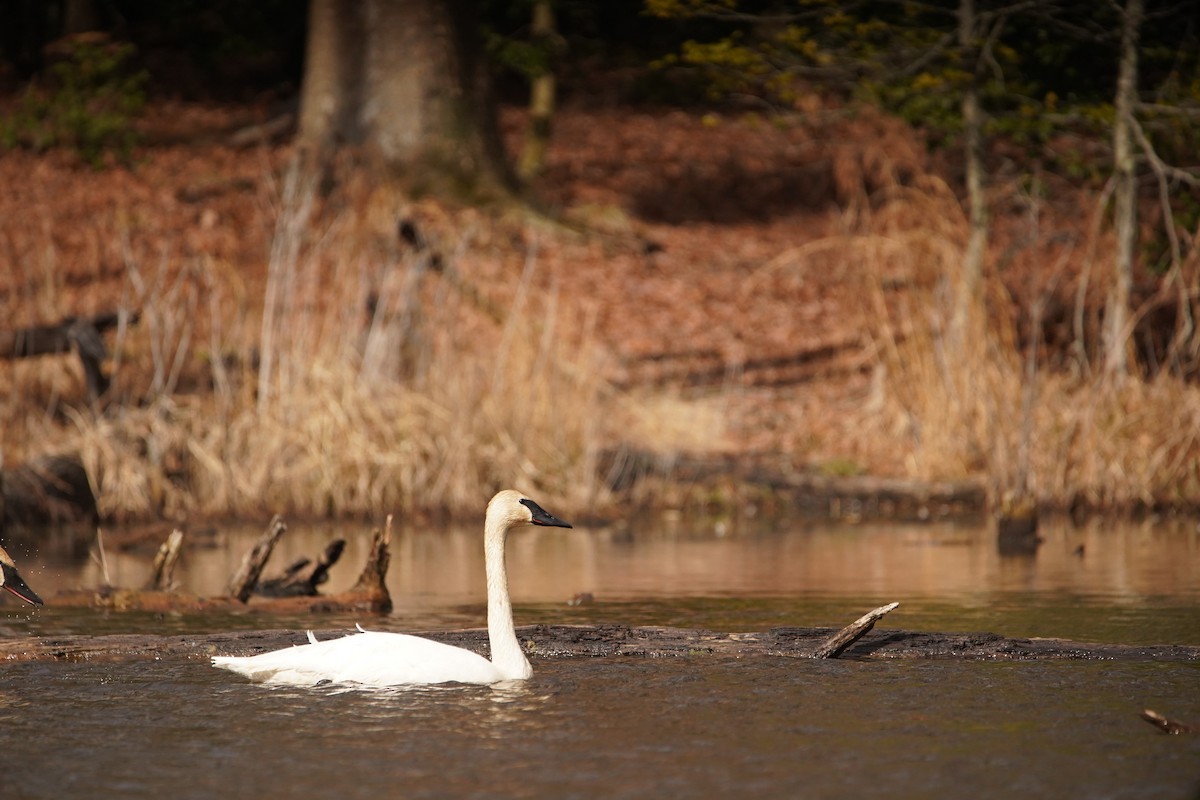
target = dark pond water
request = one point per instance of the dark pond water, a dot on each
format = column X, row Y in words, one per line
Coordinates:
column 606, row 728
column 678, row 727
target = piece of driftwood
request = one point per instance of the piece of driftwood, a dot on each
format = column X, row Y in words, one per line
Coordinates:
column 80, row 334
column 246, row 578
column 162, row 577
column 1165, row 724
column 835, row 645
column 576, row 641
column 302, row 577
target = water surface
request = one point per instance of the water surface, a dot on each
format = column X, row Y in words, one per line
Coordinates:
column 1136, row 583
column 678, row 727
column 672, row 727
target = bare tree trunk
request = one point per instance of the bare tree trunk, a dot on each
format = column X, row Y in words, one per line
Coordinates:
column 967, row 304
column 541, row 101
column 1116, row 339
column 405, row 79
column 332, row 85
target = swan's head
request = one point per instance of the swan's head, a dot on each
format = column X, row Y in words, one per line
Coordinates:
column 10, row 579
column 511, row 508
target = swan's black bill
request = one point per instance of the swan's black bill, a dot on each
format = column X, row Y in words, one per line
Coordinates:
column 14, row 584
column 543, row 517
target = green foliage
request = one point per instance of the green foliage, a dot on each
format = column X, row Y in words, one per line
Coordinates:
column 529, row 58
column 88, row 104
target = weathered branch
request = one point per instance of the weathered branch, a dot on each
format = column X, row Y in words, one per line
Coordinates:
column 162, row 578
column 835, row 645
column 246, row 578
column 303, row 576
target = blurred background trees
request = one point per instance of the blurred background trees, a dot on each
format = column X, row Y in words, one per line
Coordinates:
column 1104, row 93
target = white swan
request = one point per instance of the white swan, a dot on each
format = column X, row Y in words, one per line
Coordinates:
column 11, row 580
column 391, row 659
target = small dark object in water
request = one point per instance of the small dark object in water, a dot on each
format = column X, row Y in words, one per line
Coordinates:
column 1016, row 529
column 1166, row 725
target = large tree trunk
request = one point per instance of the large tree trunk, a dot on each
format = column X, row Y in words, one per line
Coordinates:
column 1116, row 339
column 406, row 80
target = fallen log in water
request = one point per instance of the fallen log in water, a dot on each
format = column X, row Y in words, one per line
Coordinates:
column 576, row 641
column 368, row 595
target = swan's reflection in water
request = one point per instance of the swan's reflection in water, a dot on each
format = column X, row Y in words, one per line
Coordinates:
column 489, row 712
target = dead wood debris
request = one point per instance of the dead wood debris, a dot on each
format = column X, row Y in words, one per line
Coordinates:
column 835, row 645
column 293, row 592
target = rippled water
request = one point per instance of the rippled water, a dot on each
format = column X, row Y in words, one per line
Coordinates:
column 682, row 727
column 675, row 727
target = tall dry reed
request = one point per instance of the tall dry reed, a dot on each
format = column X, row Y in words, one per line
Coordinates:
column 985, row 407
column 311, row 401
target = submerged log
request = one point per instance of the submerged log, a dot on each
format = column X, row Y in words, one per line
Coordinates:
column 577, row 641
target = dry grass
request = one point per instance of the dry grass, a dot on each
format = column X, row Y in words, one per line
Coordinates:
column 306, row 402
column 258, row 379
column 986, row 408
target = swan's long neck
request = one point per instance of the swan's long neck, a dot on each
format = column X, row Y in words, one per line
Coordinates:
column 502, row 635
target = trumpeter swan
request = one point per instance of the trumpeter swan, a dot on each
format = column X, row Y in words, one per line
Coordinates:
column 376, row 658
column 11, row 580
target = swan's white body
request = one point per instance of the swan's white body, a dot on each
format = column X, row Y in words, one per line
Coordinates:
column 11, row 580
column 393, row 659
